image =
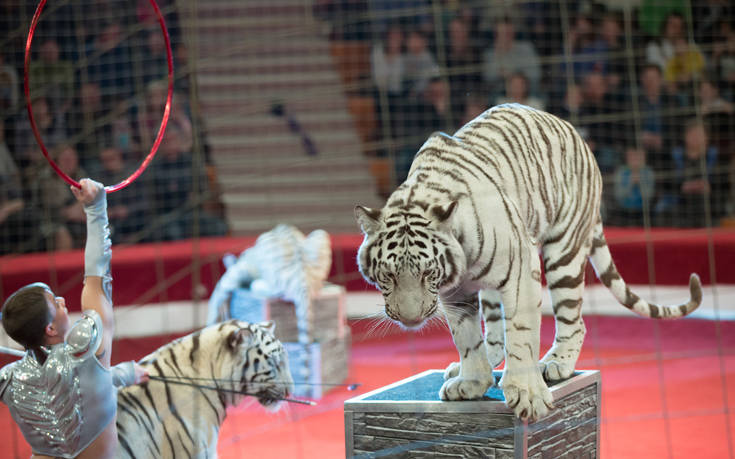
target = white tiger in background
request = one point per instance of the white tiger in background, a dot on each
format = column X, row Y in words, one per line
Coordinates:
column 167, row 420
column 283, row 263
column 466, row 227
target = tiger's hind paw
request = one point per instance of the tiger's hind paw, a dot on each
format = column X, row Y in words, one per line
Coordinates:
column 451, row 371
column 459, row 388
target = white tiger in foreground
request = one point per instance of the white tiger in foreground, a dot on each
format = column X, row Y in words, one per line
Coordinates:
column 466, row 227
column 168, row 420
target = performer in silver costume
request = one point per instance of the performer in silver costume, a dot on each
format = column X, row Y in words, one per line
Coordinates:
column 63, row 393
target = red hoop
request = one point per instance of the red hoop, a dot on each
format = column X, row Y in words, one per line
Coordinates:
column 164, row 120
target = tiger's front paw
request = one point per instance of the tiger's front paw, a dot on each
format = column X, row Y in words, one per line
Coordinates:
column 555, row 368
column 459, row 388
column 451, row 371
column 527, row 395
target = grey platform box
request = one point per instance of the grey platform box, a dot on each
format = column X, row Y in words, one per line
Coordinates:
column 328, row 363
column 328, row 313
column 407, row 419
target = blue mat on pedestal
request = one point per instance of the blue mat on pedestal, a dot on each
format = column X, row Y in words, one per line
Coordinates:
column 426, row 389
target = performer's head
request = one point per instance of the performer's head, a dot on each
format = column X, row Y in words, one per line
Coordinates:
column 33, row 316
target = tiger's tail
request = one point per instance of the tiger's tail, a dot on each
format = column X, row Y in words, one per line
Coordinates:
column 608, row 274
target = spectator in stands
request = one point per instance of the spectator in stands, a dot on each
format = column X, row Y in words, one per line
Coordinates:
column 123, row 135
column 698, row 177
column 516, row 91
column 508, row 56
column 661, row 49
column 386, row 61
column 110, row 65
column 615, row 57
column 634, row 188
column 653, row 14
column 430, row 113
column 388, row 72
column 127, row 209
column 723, row 58
column 462, row 61
column 149, row 119
column 175, row 181
column 474, row 105
column 604, row 131
column 657, row 120
column 52, row 76
column 154, row 57
column 588, row 51
column 62, row 216
column 718, row 113
column 85, row 125
column 419, row 64
column 414, row 13
column 13, row 211
column 684, row 67
column 707, row 17
column 52, row 127
column 9, row 86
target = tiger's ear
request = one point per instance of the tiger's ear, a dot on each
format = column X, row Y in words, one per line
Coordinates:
column 443, row 215
column 268, row 325
column 368, row 219
column 236, row 338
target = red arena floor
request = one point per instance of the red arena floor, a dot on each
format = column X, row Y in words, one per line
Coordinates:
column 667, row 390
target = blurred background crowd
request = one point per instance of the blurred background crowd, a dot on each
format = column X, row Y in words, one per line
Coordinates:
column 98, row 119
column 648, row 83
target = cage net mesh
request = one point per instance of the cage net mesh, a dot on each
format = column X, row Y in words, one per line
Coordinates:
column 272, row 98
column 297, row 110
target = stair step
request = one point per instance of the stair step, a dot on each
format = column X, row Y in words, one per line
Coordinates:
column 322, row 164
column 241, row 225
column 251, row 54
column 253, row 8
column 288, row 183
column 220, row 22
column 296, row 79
column 245, row 65
column 213, row 46
column 324, row 138
column 219, row 105
column 270, row 125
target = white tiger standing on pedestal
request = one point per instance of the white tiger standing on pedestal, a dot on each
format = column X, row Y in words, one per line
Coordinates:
column 466, row 227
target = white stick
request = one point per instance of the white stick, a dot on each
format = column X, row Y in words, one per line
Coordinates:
column 15, row 352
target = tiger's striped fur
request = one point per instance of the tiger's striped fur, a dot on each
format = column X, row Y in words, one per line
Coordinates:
column 466, row 228
column 168, row 420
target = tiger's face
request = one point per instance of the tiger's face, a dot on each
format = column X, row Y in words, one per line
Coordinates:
column 410, row 256
column 263, row 362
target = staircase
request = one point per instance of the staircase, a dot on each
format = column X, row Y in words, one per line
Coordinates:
column 250, row 55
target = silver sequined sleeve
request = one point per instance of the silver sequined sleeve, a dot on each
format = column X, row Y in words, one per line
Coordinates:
column 85, row 336
column 5, row 376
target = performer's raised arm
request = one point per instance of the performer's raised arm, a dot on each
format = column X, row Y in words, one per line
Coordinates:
column 97, row 291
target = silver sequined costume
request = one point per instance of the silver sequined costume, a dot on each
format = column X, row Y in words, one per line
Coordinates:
column 62, row 405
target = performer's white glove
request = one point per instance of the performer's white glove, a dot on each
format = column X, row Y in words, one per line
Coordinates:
column 97, row 251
